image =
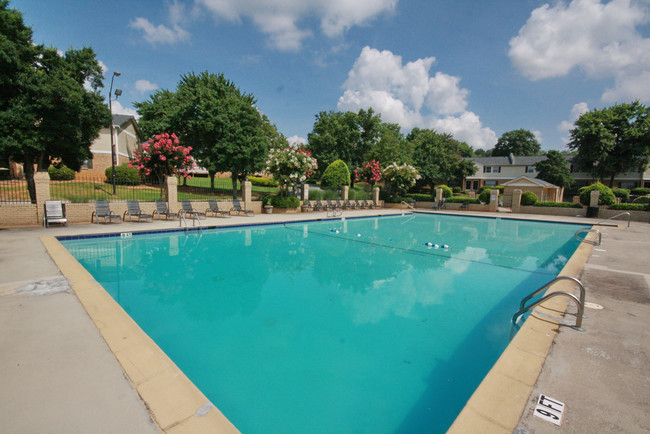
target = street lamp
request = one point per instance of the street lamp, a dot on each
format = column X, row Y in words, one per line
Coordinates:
column 118, row 92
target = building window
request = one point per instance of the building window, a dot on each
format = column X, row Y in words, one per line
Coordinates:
column 491, row 169
column 628, row 184
column 530, row 169
column 88, row 164
column 468, row 185
column 491, row 183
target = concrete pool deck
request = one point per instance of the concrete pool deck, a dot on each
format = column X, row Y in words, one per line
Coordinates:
column 59, row 375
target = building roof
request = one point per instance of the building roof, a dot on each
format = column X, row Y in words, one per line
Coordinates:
column 510, row 160
column 536, row 181
column 122, row 120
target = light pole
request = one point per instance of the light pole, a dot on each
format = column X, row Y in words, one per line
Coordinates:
column 118, row 92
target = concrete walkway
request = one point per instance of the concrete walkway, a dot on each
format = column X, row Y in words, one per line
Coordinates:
column 602, row 374
column 58, row 375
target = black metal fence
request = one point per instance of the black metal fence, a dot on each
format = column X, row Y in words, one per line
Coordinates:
column 14, row 191
column 83, row 190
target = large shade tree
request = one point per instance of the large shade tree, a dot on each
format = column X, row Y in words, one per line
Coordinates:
column 346, row 136
column 612, row 140
column 439, row 157
column 517, row 142
column 220, row 122
column 50, row 106
column 555, row 170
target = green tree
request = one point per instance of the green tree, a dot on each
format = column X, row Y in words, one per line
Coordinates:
column 555, row 170
column 392, row 146
column 517, row 142
column 439, row 158
column 221, row 123
column 346, row 136
column 612, row 140
column 46, row 113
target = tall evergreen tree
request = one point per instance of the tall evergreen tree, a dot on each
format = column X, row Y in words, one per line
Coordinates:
column 517, row 142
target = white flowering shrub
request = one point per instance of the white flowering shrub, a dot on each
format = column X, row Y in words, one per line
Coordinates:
column 290, row 167
column 399, row 178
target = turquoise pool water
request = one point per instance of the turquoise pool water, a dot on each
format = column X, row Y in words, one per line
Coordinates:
column 333, row 326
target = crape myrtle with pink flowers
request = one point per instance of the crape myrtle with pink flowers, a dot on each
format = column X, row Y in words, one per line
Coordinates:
column 161, row 156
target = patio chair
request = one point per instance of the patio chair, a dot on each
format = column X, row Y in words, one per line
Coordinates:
column 360, row 204
column 236, row 207
column 307, row 206
column 320, row 206
column 162, row 210
column 440, row 204
column 133, row 210
column 331, row 206
column 371, row 204
column 103, row 210
column 186, row 208
column 54, row 212
column 464, row 205
column 214, row 209
column 349, row 204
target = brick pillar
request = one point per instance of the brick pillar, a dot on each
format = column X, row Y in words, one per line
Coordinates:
column 172, row 193
column 247, row 194
column 494, row 200
column 375, row 195
column 345, row 192
column 593, row 199
column 304, row 192
column 516, row 200
column 438, row 195
column 42, row 184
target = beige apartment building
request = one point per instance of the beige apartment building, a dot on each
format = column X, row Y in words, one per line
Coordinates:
column 492, row 171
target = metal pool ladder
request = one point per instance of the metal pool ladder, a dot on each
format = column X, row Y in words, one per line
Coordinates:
column 409, row 205
column 585, row 240
column 580, row 302
column 182, row 221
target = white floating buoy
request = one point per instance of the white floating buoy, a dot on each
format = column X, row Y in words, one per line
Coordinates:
column 358, row 235
column 445, row 246
column 337, row 232
column 435, row 246
column 429, row 244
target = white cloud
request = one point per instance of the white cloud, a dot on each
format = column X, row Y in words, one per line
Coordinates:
column 160, row 34
column 144, row 86
column 118, row 109
column 576, row 111
column 538, row 135
column 601, row 39
column 409, row 96
column 296, row 141
column 279, row 18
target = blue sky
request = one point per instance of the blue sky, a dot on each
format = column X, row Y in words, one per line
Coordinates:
column 475, row 69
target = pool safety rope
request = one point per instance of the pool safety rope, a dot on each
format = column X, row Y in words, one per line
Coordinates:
column 336, row 233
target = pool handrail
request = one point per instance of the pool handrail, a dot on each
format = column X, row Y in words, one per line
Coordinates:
column 551, row 283
column 408, row 205
column 579, row 315
column 585, row 240
column 629, row 218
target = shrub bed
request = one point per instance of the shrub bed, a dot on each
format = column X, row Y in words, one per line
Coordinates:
column 528, row 198
column 263, row 182
column 61, row 173
column 285, row 202
column 642, row 199
column 606, row 195
column 640, row 191
column 622, row 193
column 558, row 205
column 124, row 175
column 421, row 197
column 462, row 199
column 446, row 191
column 630, row 207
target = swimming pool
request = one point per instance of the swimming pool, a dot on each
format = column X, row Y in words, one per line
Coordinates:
column 298, row 328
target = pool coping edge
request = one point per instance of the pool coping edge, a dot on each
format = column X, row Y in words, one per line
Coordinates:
column 175, row 403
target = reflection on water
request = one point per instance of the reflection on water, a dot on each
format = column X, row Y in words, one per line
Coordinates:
column 354, row 326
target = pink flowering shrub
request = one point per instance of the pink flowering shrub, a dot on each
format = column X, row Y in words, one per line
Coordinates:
column 369, row 173
column 162, row 155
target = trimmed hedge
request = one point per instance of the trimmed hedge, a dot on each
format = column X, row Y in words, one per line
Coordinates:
column 491, row 187
column 642, row 199
column 285, row 202
column 528, row 198
column 558, row 205
column 640, row 191
column 623, row 193
column 462, row 199
column 263, row 182
column 630, row 207
column 421, row 197
column 336, row 175
column 124, row 175
column 61, row 173
column 606, row 195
